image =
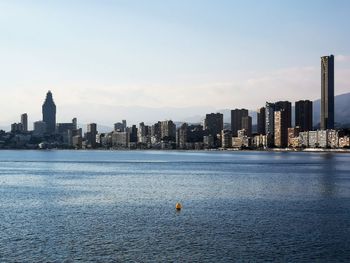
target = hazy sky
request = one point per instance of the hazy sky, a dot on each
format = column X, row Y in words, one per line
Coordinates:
column 108, row 60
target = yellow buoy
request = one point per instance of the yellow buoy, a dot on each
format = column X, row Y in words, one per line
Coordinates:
column 178, row 206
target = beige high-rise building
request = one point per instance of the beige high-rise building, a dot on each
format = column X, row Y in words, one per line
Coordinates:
column 281, row 129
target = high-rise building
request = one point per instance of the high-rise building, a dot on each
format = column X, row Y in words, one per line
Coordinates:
column 181, row 136
column 75, row 123
column 247, row 125
column 120, row 126
column 195, row 133
column 156, row 132
column 270, row 123
column 214, row 123
column 281, row 128
column 62, row 128
column 271, row 108
column 208, row 141
column 293, row 137
column 92, row 127
column 269, row 114
column 49, row 113
column 168, row 131
column 133, row 134
column 16, row 127
column 120, row 139
column 226, row 139
column 287, row 107
column 39, row 128
column 327, row 92
column 65, row 130
column 72, row 133
column 303, row 115
column 261, row 120
column 142, row 133
column 236, row 119
column 90, row 135
column 24, row 122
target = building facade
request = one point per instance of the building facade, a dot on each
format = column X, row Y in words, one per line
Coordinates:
column 39, row 128
column 214, row 123
column 49, row 113
column 236, row 119
column 327, row 92
column 247, row 125
column 270, row 123
column 168, row 131
column 226, row 139
column 303, row 115
column 181, row 136
column 24, row 122
column 281, row 129
column 286, row 106
column 90, row 135
column 261, row 120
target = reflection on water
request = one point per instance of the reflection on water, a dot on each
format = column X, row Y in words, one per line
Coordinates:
column 329, row 175
column 120, row 206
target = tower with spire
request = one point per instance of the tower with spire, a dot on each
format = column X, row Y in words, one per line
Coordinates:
column 49, row 113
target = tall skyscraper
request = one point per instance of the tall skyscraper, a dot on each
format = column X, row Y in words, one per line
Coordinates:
column 247, row 125
column 142, row 133
column 75, row 123
column 214, row 123
column 24, row 122
column 303, row 115
column 226, row 139
column 168, row 131
column 287, row 107
column 119, row 126
column 236, row 120
column 327, row 92
column 181, row 136
column 133, row 134
column 156, row 131
column 49, row 113
column 261, row 120
column 90, row 135
column 270, row 128
column 269, row 114
column 281, row 128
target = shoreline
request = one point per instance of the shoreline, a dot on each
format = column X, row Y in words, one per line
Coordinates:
column 307, row 150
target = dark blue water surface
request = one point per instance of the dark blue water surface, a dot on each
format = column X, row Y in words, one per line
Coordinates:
column 110, row 206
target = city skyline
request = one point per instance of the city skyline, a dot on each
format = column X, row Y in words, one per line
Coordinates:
column 48, row 112
column 274, row 113
column 49, row 100
column 198, row 57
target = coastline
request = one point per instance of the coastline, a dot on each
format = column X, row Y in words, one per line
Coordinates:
column 307, row 150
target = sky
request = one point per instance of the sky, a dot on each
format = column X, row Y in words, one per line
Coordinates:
column 105, row 61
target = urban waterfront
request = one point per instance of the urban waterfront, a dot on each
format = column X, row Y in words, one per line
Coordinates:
column 112, row 206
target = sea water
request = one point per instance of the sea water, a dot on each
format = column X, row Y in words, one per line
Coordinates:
column 118, row 206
